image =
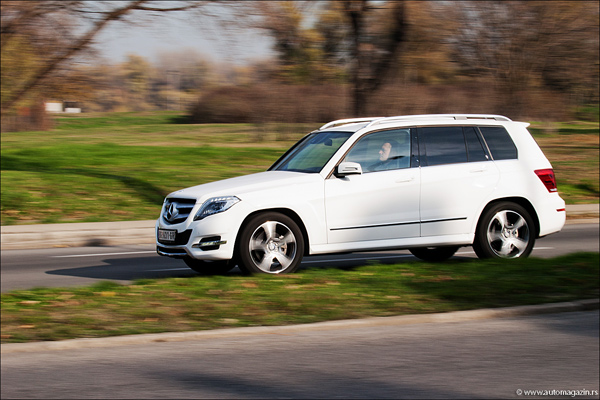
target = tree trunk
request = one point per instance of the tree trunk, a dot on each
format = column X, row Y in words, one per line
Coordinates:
column 365, row 79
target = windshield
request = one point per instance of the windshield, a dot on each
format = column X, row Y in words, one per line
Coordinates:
column 311, row 153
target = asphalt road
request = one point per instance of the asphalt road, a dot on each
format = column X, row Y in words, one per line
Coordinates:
column 76, row 266
column 472, row 359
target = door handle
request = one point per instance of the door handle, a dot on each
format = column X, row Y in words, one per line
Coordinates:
column 404, row 180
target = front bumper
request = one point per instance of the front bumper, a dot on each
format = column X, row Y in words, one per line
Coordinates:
column 211, row 239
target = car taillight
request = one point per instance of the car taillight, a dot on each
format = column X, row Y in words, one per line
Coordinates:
column 547, row 178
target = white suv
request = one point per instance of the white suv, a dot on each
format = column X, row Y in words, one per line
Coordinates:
column 427, row 183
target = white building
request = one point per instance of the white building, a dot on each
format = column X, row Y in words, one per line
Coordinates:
column 54, row 106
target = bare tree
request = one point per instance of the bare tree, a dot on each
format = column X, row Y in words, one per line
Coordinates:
column 300, row 47
column 521, row 44
column 371, row 62
column 72, row 24
column 362, row 36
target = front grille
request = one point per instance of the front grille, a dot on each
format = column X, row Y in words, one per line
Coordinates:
column 181, row 239
column 177, row 210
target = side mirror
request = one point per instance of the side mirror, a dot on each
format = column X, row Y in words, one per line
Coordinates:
column 348, row 168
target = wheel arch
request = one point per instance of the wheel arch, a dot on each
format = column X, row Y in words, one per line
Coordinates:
column 285, row 211
column 523, row 202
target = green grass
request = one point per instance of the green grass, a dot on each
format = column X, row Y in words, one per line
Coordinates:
column 107, row 181
column 588, row 113
column 573, row 150
column 119, row 166
column 312, row 295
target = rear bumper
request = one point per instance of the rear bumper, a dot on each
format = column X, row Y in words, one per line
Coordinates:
column 552, row 216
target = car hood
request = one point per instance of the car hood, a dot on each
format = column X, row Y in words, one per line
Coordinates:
column 246, row 184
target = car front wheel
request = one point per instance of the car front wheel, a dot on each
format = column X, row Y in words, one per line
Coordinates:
column 505, row 230
column 270, row 243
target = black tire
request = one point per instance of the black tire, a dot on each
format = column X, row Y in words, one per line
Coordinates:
column 209, row 267
column 270, row 243
column 434, row 254
column 505, row 230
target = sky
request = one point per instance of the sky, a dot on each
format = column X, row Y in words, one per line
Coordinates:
column 115, row 42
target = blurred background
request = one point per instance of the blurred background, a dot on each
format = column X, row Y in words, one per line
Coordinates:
column 296, row 61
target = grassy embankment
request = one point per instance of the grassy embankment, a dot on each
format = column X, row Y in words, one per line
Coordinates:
column 117, row 167
column 314, row 294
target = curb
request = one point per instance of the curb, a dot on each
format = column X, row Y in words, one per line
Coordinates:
column 17, row 237
column 454, row 316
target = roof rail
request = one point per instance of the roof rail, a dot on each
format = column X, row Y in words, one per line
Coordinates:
column 348, row 121
column 439, row 116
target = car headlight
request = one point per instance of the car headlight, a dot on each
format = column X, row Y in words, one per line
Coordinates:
column 215, row 205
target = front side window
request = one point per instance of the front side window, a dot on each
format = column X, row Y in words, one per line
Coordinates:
column 382, row 151
column 311, row 153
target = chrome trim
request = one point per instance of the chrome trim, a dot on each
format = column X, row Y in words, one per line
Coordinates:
column 176, row 255
column 457, row 117
column 347, row 121
column 177, row 210
column 400, row 223
column 375, row 226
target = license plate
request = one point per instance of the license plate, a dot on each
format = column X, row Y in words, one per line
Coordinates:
column 167, row 235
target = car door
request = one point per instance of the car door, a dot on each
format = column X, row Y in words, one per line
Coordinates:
column 457, row 177
column 382, row 203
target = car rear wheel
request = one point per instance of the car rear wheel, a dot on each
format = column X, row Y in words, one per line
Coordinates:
column 270, row 243
column 505, row 230
column 209, row 267
column 434, row 254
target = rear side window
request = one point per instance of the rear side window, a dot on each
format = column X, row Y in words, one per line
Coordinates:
column 499, row 142
column 443, row 145
column 474, row 146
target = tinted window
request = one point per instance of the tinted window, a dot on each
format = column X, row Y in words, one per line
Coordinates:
column 382, row 151
column 474, row 147
column 443, row 145
column 499, row 142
